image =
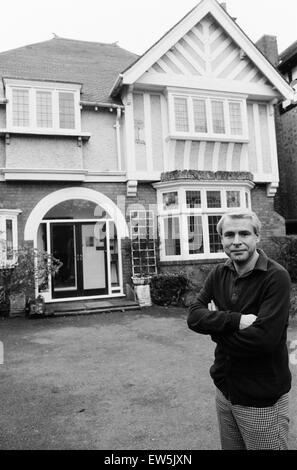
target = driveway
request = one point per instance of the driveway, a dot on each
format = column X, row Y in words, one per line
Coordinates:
column 133, row 380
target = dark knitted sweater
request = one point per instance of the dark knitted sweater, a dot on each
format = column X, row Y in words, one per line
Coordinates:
column 251, row 365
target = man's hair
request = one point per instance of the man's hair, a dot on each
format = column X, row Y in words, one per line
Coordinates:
column 240, row 214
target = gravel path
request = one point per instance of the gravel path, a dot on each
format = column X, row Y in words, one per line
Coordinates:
column 117, row 381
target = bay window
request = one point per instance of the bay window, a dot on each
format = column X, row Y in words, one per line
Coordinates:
column 198, row 116
column 188, row 216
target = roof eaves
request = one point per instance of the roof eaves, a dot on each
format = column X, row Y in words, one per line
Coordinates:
column 170, row 29
column 4, row 78
column 230, row 19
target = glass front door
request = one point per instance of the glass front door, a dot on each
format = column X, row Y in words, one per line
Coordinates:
column 81, row 247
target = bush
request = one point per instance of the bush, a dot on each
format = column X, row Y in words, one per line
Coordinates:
column 31, row 267
column 293, row 301
column 286, row 254
column 168, row 288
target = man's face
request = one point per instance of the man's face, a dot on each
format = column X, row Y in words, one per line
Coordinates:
column 239, row 239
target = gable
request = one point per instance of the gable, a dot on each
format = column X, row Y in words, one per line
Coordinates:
column 207, row 50
column 239, row 58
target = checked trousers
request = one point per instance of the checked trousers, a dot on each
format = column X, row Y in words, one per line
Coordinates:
column 251, row 428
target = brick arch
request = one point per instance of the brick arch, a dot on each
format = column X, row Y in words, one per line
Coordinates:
column 49, row 201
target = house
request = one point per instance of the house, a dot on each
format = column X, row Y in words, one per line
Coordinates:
column 99, row 146
column 286, row 126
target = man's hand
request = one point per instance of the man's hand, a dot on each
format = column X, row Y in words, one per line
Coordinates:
column 212, row 306
column 246, row 321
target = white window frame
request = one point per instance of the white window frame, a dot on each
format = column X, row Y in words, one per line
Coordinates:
column 207, row 98
column 182, row 212
column 8, row 214
column 54, row 89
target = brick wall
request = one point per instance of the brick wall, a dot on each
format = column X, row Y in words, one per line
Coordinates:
column 286, row 132
column 273, row 224
column 25, row 196
column 268, row 46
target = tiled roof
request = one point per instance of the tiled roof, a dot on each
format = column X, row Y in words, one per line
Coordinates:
column 288, row 54
column 94, row 65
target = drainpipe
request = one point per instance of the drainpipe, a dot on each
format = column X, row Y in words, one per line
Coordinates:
column 117, row 127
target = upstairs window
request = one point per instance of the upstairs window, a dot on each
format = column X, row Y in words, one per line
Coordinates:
column 66, row 111
column 204, row 117
column 218, row 119
column 200, row 120
column 42, row 108
column 20, row 107
column 181, row 115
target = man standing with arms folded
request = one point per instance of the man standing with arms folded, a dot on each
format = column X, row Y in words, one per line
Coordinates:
column 244, row 307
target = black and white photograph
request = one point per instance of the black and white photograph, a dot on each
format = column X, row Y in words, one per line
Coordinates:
column 148, row 228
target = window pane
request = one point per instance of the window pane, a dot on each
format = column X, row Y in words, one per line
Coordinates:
column 214, row 238
column 193, row 199
column 172, row 236
column 66, row 110
column 170, row 200
column 235, row 119
column 200, row 116
column 247, row 200
column 9, row 240
column 218, row 121
column 213, row 199
column 195, row 234
column 181, row 115
column 44, row 109
column 233, row 199
column 20, row 108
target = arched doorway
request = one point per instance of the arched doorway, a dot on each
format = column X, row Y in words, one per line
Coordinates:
column 82, row 228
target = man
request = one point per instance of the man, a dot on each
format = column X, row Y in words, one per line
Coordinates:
column 244, row 307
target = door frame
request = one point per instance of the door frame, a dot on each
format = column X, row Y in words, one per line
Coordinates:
column 113, row 291
column 80, row 291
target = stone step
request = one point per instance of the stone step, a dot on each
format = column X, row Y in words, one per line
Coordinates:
column 81, row 307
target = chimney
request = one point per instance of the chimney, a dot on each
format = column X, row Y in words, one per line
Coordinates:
column 268, row 46
column 224, row 5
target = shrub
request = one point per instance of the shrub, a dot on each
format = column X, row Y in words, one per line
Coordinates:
column 293, row 303
column 31, row 267
column 168, row 288
column 286, row 254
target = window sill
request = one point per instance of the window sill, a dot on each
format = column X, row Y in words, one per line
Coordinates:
column 55, row 133
column 184, row 262
column 209, row 138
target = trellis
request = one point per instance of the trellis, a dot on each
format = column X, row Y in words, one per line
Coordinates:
column 143, row 246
